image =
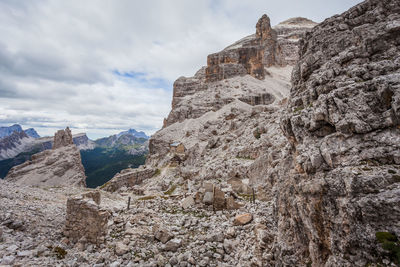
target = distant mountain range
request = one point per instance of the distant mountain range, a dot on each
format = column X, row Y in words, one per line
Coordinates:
column 7, row 131
column 18, row 145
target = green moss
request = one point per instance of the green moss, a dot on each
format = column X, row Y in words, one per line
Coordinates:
column 298, row 109
column 247, row 197
column 385, row 236
column 147, row 198
column 104, row 185
column 170, row 190
column 60, row 253
column 157, row 172
column 389, row 243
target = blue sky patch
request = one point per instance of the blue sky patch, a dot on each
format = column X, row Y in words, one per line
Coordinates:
column 143, row 79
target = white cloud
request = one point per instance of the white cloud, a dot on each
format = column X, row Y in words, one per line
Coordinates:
column 58, row 58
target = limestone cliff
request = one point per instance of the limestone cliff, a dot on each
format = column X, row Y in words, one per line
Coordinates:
column 327, row 158
column 249, row 56
column 60, row 166
column 342, row 122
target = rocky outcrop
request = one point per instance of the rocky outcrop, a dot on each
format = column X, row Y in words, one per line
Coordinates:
column 86, row 221
column 62, row 138
column 268, row 47
column 339, row 184
column 252, row 56
column 60, row 166
column 289, row 33
column 128, row 178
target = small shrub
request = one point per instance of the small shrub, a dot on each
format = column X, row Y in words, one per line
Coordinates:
column 157, row 172
column 396, row 178
column 60, row 253
column 257, row 133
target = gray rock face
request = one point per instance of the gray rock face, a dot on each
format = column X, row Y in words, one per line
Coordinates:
column 328, row 159
column 342, row 123
column 62, row 138
column 128, row 178
column 269, row 46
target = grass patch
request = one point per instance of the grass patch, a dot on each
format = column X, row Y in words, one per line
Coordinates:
column 390, row 243
column 298, row 109
column 170, row 190
column 147, row 198
column 247, row 197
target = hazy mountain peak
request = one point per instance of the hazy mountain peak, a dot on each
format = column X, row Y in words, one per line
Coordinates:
column 135, row 133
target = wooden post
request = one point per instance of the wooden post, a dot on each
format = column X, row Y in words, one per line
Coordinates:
column 129, row 203
column 213, row 197
column 254, row 196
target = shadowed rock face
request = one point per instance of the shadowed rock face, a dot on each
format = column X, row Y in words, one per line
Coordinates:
column 342, row 121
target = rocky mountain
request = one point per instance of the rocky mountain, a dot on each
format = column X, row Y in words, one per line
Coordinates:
column 135, row 143
column 134, row 133
column 14, row 144
column 56, row 167
column 32, row 133
column 7, row 131
column 269, row 157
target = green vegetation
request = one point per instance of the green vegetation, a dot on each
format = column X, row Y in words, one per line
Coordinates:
column 60, row 253
column 389, row 243
column 157, row 172
column 298, row 109
column 247, row 197
column 7, row 164
column 101, row 164
column 147, row 198
column 170, row 190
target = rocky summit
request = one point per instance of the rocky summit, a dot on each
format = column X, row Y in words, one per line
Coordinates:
column 56, row 167
column 282, row 151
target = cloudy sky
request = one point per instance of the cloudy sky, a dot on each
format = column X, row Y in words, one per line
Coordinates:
column 105, row 66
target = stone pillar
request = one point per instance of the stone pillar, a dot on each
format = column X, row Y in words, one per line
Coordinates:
column 85, row 219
